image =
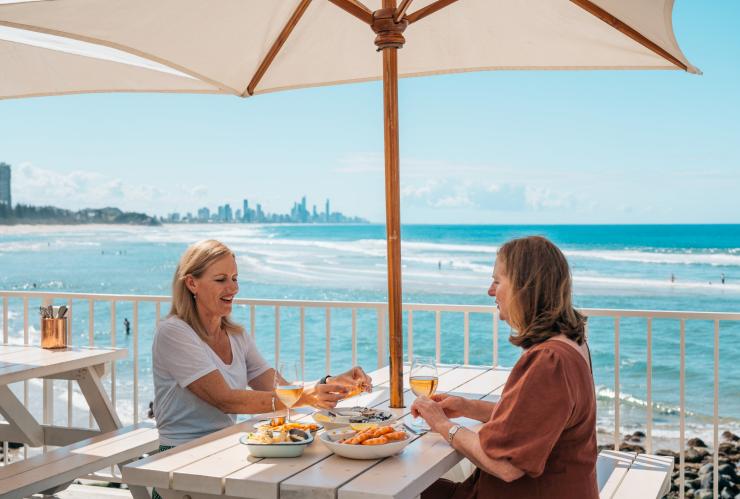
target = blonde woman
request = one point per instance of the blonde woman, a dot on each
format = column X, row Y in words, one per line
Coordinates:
column 203, row 362
column 539, row 440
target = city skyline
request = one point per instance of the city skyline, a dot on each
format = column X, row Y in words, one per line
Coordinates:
column 299, row 213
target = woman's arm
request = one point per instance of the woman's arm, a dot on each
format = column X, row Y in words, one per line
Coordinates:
column 213, row 389
column 456, row 407
column 468, row 444
column 465, row 441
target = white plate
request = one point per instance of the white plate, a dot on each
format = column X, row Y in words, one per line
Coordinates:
column 344, row 416
column 364, row 451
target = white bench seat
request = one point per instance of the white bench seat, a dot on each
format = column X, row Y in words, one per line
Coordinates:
column 626, row 475
column 61, row 466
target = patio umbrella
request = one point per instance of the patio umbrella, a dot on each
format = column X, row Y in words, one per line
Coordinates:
column 39, row 64
column 248, row 47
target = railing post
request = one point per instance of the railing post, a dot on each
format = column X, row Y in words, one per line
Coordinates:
column 495, row 339
column 410, row 339
column 354, row 337
column 327, row 361
column 113, row 344
column 715, row 416
column 303, row 343
column 381, row 333
column 682, row 418
column 616, row 384
column 437, row 336
column 70, row 385
column 649, row 376
column 277, row 336
column 135, row 395
column 466, row 338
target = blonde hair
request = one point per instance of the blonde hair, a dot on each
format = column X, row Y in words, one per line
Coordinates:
column 540, row 305
column 194, row 262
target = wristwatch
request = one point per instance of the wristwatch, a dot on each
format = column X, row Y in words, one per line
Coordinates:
column 452, row 431
column 322, row 381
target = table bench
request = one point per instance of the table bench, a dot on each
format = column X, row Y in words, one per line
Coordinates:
column 56, row 469
column 626, row 475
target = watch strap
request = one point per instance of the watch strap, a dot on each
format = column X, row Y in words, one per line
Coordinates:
column 322, row 381
column 452, row 432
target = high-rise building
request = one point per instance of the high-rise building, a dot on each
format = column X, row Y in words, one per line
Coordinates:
column 327, row 213
column 245, row 210
column 204, row 214
column 228, row 216
column 5, row 198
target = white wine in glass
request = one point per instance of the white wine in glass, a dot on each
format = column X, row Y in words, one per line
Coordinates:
column 423, row 380
column 288, row 385
column 424, row 385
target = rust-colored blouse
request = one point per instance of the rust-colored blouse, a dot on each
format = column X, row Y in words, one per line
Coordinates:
column 545, row 425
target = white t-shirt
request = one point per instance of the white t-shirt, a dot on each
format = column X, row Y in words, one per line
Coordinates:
column 180, row 357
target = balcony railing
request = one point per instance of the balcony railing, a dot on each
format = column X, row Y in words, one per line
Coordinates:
column 480, row 323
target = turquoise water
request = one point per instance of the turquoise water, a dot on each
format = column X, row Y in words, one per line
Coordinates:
column 624, row 267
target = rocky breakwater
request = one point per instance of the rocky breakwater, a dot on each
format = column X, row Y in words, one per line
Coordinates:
column 699, row 467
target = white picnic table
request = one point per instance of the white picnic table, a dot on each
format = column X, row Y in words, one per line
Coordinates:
column 218, row 466
column 85, row 365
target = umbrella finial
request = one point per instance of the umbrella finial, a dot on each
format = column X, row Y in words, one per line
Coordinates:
column 390, row 32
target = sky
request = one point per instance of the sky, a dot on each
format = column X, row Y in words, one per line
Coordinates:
column 500, row 147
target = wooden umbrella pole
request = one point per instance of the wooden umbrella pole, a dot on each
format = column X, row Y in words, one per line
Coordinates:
column 389, row 40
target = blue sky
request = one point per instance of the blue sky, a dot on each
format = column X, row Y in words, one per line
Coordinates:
column 496, row 147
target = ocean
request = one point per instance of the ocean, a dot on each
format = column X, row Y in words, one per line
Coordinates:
column 616, row 267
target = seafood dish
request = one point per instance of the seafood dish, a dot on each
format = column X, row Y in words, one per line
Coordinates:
column 343, row 416
column 376, row 436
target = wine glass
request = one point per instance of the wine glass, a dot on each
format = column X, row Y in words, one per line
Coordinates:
column 288, row 385
column 423, row 380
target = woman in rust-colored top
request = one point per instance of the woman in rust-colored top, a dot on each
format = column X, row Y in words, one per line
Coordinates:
column 539, row 440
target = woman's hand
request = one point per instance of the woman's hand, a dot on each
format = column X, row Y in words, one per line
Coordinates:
column 453, row 406
column 354, row 380
column 337, row 388
column 432, row 413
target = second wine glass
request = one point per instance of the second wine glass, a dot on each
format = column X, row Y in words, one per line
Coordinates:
column 423, row 380
column 288, row 385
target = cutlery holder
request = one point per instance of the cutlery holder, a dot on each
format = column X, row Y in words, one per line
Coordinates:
column 54, row 333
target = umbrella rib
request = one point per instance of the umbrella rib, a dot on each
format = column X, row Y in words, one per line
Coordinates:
column 276, row 46
column 428, row 10
column 401, row 10
column 628, row 30
column 222, row 87
column 356, row 8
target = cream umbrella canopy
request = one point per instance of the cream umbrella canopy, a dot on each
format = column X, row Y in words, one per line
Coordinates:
column 39, row 64
column 248, row 47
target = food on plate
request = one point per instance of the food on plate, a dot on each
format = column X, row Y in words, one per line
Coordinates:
column 313, row 427
column 375, row 441
column 395, row 436
column 376, row 436
column 265, row 435
column 363, row 426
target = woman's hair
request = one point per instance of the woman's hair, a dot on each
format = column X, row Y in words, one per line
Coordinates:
column 195, row 261
column 540, row 305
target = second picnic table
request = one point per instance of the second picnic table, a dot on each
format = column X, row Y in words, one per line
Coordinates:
column 218, row 466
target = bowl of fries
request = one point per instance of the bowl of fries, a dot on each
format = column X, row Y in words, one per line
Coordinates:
column 371, row 443
column 268, row 443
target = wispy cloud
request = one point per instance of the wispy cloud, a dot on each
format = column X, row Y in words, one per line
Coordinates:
column 80, row 189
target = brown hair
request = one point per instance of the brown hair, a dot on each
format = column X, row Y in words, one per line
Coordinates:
column 540, row 305
column 196, row 259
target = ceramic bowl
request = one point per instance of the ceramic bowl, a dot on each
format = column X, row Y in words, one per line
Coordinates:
column 364, row 451
column 287, row 449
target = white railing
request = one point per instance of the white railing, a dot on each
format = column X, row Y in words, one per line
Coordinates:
column 248, row 308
